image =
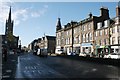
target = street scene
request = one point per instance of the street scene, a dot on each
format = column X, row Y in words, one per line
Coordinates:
column 31, row 66
column 42, row 41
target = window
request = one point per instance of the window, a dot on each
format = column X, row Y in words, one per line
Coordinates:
column 96, row 33
column 118, row 29
column 62, row 41
column 86, row 37
column 113, row 30
column 105, row 31
column 75, row 30
column 66, row 32
column 105, row 41
column 83, row 28
column 119, row 40
column 100, row 32
column 113, row 40
column 79, row 39
column 65, row 41
column 83, row 37
column 75, row 39
column 100, row 42
column 90, row 36
column 70, row 40
column 89, row 26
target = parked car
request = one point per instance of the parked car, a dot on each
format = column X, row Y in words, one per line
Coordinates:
column 82, row 54
column 112, row 56
column 59, row 52
column 72, row 53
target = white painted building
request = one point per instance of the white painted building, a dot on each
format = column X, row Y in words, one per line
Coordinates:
column 115, row 32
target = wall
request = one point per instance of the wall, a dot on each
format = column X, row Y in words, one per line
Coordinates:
column 0, row 56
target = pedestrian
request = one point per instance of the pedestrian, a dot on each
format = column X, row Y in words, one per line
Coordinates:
column 5, row 54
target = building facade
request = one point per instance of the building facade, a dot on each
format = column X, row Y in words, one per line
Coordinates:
column 46, row 42
column 115, row 32
column 90, row 35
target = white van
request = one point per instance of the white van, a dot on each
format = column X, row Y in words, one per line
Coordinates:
column 42, row 52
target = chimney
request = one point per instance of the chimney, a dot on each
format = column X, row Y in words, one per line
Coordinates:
column 117, row 11
column 104, row 12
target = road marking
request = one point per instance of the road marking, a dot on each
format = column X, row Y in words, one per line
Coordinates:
column 94, row 69
column 13, row 60
column 39, row 72
column 8, row 70
column 6, row 76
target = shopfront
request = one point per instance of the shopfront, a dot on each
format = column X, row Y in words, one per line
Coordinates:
column 76, row 48
column 115, row 48
column 102, row 50
column 86, row 47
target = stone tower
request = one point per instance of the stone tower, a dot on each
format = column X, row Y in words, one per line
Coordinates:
column 58, row 26
column 9, row 25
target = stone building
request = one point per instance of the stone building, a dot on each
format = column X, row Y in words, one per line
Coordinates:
column 9, row 40
column 115, row 32
column 50, row 44
column 79, row 36
column 46, row 42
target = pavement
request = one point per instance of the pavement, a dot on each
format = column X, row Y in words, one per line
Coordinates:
column 9, row 66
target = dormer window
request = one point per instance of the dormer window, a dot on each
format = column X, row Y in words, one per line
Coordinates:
column 99, row 25
column 106, row 23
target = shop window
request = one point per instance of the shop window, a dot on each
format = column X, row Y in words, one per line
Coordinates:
column 113, row 30
column 113, row 40
column 119, row 40
column 112, row 51
column 118, row 29
column 105, row 41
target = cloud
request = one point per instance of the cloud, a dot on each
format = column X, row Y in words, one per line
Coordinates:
column 19, row 14
column 4, row 9
column 40, row 12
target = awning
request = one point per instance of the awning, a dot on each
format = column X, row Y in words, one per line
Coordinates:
column 86, row 44
column 102, row 46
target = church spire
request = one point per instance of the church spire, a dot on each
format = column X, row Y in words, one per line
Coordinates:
column 58, row 26
column 9, row 18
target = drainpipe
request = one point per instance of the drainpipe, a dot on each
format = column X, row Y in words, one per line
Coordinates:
column 72, row 35
column 110, row 37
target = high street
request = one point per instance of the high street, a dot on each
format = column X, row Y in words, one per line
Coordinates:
column 31, row 66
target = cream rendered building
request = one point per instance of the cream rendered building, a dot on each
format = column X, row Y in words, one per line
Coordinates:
column 115, row 32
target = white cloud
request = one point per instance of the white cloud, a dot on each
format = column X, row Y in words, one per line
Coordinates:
column 40, row 12
column 19, row 14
